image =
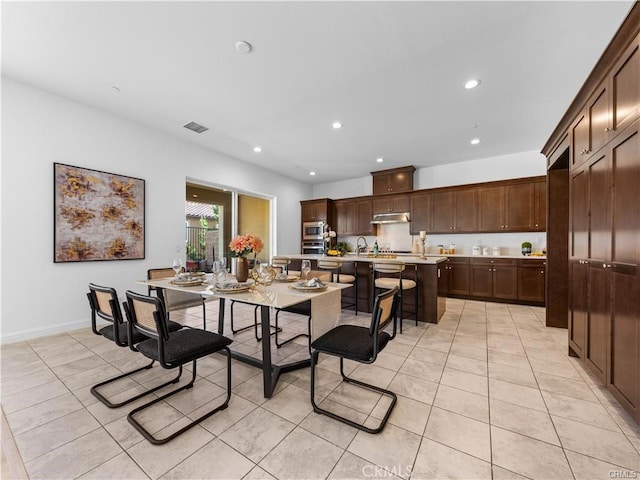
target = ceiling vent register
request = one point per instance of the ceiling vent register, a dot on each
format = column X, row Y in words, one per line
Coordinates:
column 196, row 127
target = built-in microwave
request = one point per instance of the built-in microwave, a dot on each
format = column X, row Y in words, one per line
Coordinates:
column 312, row 230
column 313, row 247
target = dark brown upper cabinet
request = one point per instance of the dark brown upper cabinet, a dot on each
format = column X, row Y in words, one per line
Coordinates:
column 394, row 180
column 517, row 207
column 454, row 211
column 391, row 204
column 315, row 210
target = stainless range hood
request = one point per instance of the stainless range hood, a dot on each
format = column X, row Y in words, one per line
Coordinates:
column 380, row 218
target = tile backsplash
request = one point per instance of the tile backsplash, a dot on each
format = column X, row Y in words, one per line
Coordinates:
column 399, row 239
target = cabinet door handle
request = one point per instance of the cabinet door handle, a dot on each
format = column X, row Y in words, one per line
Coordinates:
column 542, row 272
column 607, row 129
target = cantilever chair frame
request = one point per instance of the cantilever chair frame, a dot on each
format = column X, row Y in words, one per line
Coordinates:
column 378, row 323
column 104, row 304
column 160, row 334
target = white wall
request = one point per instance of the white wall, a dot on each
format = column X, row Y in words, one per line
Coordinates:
column 39, row 297
column 504, row 167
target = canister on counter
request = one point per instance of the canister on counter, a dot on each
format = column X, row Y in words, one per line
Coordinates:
column 452, row 249
column 440, row 249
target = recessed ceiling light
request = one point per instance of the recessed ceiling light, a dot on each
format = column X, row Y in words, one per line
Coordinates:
column 116, row 88
column 257, row 149
column 312, row 173
column 473, row 83
column 336, row 125
column 243, row 47
column 380, row 160
column 475, row 141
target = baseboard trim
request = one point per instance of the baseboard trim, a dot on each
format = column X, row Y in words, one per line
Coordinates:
column 42, row 332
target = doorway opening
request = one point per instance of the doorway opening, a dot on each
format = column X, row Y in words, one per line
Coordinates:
column 557, row 281
column 214, row 215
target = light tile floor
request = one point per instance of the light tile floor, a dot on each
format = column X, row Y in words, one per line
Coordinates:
column 489, row 392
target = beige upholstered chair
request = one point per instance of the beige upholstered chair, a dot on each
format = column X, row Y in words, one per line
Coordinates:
column 334, row 265
column 281, row 262
column 174, row 300
column 389, row 274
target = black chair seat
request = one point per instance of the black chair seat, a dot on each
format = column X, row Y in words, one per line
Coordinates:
column 350, row 341
column 185, row 345
column 108, row 332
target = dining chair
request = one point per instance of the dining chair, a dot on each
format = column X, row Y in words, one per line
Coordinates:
column 361, row 344
column 334, row 266
column 105, row 306
column 174, row 300
column 303, row 309
column 147, row 316
column 389, row 274
column 281, row 262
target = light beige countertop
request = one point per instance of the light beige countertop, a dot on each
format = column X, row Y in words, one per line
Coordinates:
column 521, row 257
column 352, row 257
column 409, row 257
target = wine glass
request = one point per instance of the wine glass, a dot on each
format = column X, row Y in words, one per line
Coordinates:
column 177, row 265
column 306, row 268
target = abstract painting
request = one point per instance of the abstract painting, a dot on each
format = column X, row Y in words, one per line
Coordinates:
column 97, row 215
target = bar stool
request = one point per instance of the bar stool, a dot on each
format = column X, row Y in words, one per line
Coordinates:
column 393, row 271
column 333, row 265
column 282, row 262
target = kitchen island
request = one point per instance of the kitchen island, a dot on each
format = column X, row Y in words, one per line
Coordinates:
column 431, row 285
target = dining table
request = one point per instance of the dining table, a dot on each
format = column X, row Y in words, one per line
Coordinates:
column 279, row 295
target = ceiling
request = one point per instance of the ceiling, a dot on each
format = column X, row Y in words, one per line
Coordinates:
column 392, row 72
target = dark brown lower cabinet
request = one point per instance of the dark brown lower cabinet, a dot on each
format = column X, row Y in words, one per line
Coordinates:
column 579, row 284
column 624, row 377
column 496, row 278
column 457, row 276
column 598, row 318
column 531, row 280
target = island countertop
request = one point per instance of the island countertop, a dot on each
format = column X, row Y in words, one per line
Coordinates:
column 415, row 259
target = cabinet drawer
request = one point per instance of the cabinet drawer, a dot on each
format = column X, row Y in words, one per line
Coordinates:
column 494, row 261
column 458, row 260
column 539, row 263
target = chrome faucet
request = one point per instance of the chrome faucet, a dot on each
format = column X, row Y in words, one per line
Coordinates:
column 360, row 249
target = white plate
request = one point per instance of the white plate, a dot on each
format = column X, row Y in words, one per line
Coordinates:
column 187, row 283
column 304, row 288
column 239, row 288
column 290, row 278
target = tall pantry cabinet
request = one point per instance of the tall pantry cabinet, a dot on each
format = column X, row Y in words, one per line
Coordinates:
column 604, row 217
